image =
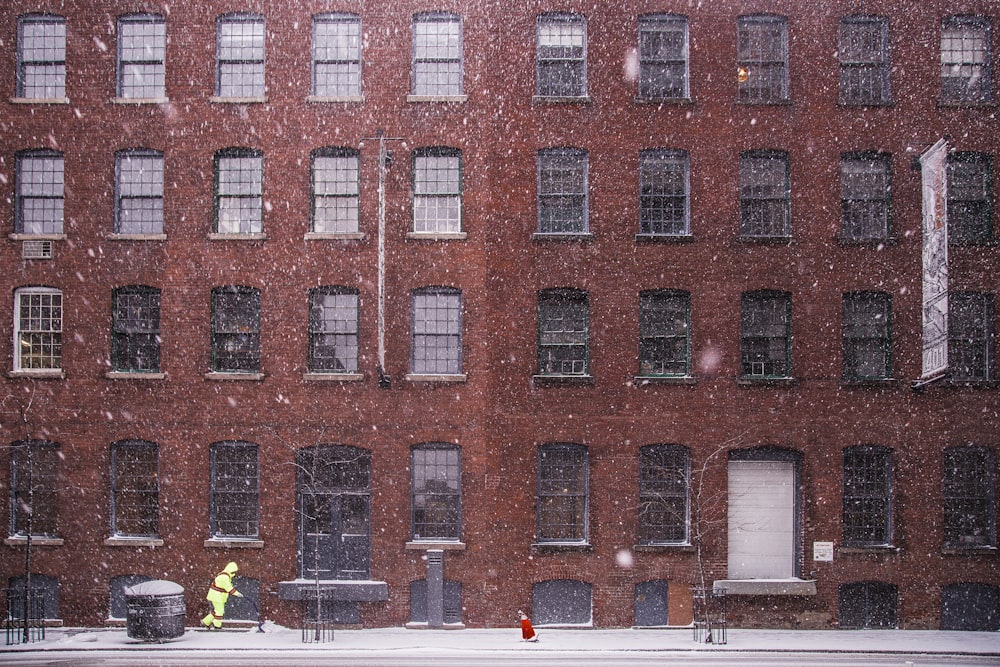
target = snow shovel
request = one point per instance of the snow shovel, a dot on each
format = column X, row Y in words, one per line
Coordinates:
column 260, row 621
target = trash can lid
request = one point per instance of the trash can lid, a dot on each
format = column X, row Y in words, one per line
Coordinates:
column 156, row 587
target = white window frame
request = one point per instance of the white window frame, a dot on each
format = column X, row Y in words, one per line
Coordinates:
column 45, row 61
column 142, row 54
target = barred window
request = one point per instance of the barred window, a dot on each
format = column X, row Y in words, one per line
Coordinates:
column 437, row 331
column 235, row 490
column 34, row 488
column 240, row 56
column 664, row 494
column 135, row 329
column 970, row 337
column 766, row 334
column 437, row 191
column 664, row 333
column 336, row 55
column 664, row 185
column 562, row 191
column 562, row 493
column 970, row 198
column 867, row 500
column 436, row 492
column 969, row 502
column 762, row 58
column 765, row 195
column 142, row 55
column 663, row 57
column 135, row 489
column 867, row 340
column 41, row 57
column 38, row 327
column 437, row 54
column 864, row 196
column 336, row 201
column 561, row 56
column 333, row 330
column 239, row 204
column 139, row 192
column 39, row 192
column 236, row 330
column 864, row 60
column 563, row 331
column 966, row 74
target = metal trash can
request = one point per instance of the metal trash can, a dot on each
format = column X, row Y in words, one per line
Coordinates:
column 155, row 610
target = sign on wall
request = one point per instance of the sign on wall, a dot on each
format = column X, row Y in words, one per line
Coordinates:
column 934, row 177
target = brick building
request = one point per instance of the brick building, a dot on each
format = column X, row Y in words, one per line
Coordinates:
column 469, row 306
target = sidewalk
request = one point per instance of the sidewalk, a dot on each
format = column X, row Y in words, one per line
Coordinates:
column 398, row 640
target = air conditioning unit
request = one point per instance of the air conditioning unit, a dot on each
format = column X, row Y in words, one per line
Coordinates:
column 36, row 250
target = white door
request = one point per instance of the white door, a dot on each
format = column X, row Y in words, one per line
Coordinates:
column 761, row 520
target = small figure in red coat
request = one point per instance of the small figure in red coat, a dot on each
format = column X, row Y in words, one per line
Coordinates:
column 527, row 632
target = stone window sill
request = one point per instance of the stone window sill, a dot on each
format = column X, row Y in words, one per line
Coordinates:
column 21, row 236
column 560, row 99
column 233, row 543
column 334, row 236
column 561, row 236
column 222, row 376
column 643, row 380
column 140, row 100
column 219, row 236
column 554, row 380
column 333, row 377
column 215, row 99
column 126, row 375
column 430, row 545
column 39, row 100
column 36, row 541
column 137, row 237
column 421, row 377
column 453, row 99
column 39, row 373
column 437, row 236
column 562, row 547
column 124, row 541
column 335, row 98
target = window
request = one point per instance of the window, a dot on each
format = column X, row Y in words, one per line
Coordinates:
column 562, row 493
column 135, row 329
column 562, row 191
column 437, row 191
column 664, row 333
column 139, row 192
column 664, row 479
column 766, row 334
column 864, row 196
column 868, row 605
column 663, row 58
column 235, row 330
column 240, row 57
column 762, row 59
column 333, row 330
column 867, row 336
column 436, row 492
column 336, row 201
column 970, row 337
column 38, row 329
column 34, row 470
column 239, row 176
column 664, row 186
column 336, row 55
column 867, row 509
column 563, row 332
column 437, row 55
column 41, row 57
column 142, row 55
column 235, row 490
column 437, row 331
column 135, row 489
column 561, row 56
column 970, row 198
column 965, row 59
column 765, row 195
column 39, row 200
column 864, row 60
column 969, row 503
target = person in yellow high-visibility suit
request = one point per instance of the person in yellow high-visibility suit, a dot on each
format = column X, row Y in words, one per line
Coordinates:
column 218, row 594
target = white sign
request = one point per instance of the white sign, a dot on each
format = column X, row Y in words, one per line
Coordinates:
column 823, row 551
column 934, row 176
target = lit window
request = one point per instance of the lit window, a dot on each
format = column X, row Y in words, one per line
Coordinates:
column 142, row 54
column 762, row 54
column 864, row 196
column 437, row 191
column 135, row 489
column 333, row 330
column 436, row 492
column 135, row 330
column 239, row 186
column 240, row 57
column 38, row 329
column 864, row 60
column 965, row 59
column 561, row 56
column 437, row 332
column 663, row 57
column 40, row 198
column 139, row 192
column 437, row 54
column 336, row 52
column 41, row 57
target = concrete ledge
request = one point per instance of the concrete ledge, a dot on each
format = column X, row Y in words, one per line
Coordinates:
column 801, row 587
column 343, row 590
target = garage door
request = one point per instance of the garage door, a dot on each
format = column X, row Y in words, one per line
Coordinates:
column 761, row 520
